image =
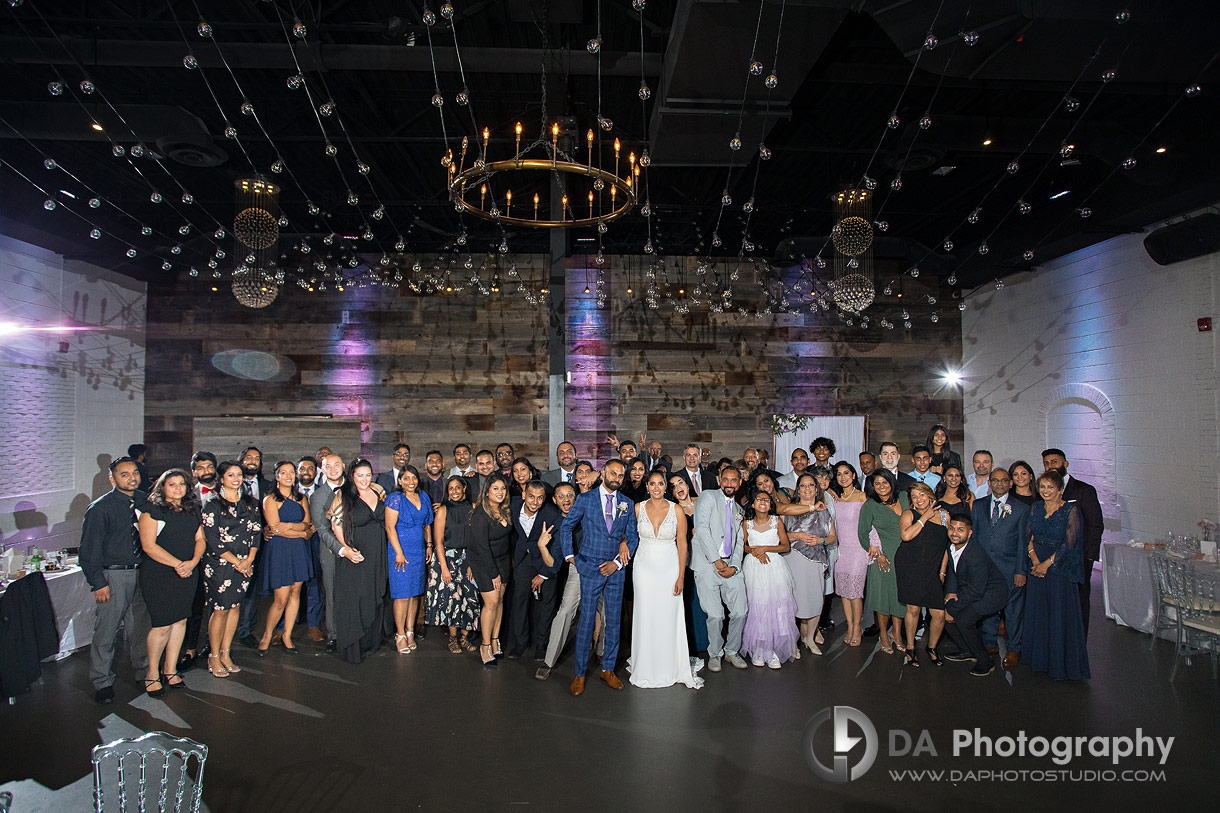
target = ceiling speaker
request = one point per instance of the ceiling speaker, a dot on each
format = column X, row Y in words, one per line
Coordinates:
column 1183, row 241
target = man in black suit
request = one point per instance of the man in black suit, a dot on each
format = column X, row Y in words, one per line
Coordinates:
column 504, row 459
column 257, row 486
column 1002, row 529
column 534, row 590
column 401, row 456
column 653, row 458
column 484, row 467
column 565, row 455
column 432, row 481
column 139, row 453
column 1085, row 497
column 698, row 478
column 890, row 458
column 974, row 589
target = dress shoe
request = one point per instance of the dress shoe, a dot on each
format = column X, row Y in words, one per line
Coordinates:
column 315, row 635
column 543, row 673
column 184, row 662
column 982, row 670
column 578, row 686
column 611, row 680
column 713, row 663
column 870, row 631
column 826, row 624
column 515, row 652
column 540, row 655
column 736, row 660
column 331, row 646
column 1011, row 659
column 104, row 695
column 248, row 640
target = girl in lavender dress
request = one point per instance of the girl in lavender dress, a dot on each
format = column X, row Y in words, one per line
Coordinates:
column 851, row 570
column 770, row 634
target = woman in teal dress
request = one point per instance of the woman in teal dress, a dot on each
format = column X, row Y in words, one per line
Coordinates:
column 879, row 535
column 1053, row 641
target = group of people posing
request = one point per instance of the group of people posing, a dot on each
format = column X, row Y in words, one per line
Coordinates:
column 728, row 558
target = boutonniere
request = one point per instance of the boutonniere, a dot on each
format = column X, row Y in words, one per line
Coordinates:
column 622, row 508
column 1005, row 509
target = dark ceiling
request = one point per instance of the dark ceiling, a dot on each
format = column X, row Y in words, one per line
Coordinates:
column 843, row 69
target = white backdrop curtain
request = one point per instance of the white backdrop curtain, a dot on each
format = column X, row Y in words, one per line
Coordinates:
column 847, row 431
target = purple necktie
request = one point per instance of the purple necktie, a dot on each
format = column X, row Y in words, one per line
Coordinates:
column 727, row 549
column 609, row 512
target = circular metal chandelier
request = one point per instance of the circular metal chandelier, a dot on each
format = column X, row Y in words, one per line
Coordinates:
column 254, row 287
column 854, row 292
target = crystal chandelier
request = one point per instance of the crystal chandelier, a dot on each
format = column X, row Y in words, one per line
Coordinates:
column 852, row 237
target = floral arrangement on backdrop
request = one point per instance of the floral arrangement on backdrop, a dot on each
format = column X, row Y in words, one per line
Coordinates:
column 784, row 424
column 1208, row 528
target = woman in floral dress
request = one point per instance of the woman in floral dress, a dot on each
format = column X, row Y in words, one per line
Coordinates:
column 232, row 526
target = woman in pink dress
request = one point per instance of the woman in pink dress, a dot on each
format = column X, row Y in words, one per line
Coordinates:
column 851, row 569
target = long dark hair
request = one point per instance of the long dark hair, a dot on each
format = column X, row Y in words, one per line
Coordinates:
column 457, row 478
column 889, row 478
column 405, row 469
column 245, row 501
column 1033, row 475
column 349, row 495
column 750, row 513
column 834, row 479
column 295, row 493
column 190, row 503
column 502, row 511
column 942, row 488
column 944, row 451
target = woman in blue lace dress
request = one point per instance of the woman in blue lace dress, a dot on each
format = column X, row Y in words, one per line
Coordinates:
column 1053, row 641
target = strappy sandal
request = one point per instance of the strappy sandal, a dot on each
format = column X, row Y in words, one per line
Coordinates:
column 181, row 684
column 403, row 649
column 888, row 650
column 454, row 646
column 468, row 645
column 232, row 667
column 150, row 691
column 912, row 658
column 222, row 672
column 490, row 660
column 934, row 656
column 411, row 640
column 496, row 645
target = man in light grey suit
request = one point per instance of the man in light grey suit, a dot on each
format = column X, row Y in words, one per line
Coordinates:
column 565, row 453
column 319, row 502
column 716, row 551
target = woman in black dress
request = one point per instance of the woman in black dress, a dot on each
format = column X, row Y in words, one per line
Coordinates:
column 951, row 492
column 232, row 527
column 633, row 484
column 362, row 571
column 522, row 471
column 487, row 545
column 452, row 598
column 920, row 566
column 172, row 539
column 942, row 454
column 1023, row 478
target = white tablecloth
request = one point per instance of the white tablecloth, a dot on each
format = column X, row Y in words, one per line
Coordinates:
column 74, row 609
column 1126, row 580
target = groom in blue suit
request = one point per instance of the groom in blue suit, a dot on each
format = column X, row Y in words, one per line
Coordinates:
column 608, row 541
column 1001, row 527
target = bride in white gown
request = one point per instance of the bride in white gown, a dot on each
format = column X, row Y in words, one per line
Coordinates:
column 659, row 654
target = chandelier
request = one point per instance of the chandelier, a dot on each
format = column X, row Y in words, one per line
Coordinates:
column 589, row 193
column 254, row 287
column 852, row 236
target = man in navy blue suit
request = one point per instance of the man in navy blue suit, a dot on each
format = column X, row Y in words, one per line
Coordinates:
column 1001, row 527
column 974, row 589
column 608, row 541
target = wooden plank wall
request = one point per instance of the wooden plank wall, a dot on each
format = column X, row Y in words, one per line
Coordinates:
column 435, row 371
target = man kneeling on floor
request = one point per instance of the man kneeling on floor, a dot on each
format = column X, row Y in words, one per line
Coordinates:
column 974, row 589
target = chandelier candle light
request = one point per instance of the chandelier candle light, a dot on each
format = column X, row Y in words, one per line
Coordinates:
column 852, row 237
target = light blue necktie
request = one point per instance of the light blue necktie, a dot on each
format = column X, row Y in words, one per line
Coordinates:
column 727, row 549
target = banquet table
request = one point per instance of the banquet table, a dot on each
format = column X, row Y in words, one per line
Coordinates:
column 1126, row 580
column 74, row 609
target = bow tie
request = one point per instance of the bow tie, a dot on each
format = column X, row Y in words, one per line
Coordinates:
column 206, row 489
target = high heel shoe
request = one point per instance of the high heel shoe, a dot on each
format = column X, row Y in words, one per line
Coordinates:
column 403, row 648
column 181, row 684
column 222, row 672
column 411, row 645
column 934, row 656
column 490, row 660
column 813, row 647
column 887, row 648
column 912, row 658
column 150, row 691
column 232, row 667
column 499, row 651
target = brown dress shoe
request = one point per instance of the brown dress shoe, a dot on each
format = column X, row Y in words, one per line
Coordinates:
column 578, row 686
column 611, row 680
column 315, row 634
column 1011, row 659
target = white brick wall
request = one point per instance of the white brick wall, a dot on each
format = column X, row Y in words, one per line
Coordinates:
column 1143, row 427
column 63, row 415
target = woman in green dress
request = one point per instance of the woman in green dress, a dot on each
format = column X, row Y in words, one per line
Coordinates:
column 879, row 535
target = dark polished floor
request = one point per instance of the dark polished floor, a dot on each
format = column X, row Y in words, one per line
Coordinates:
column 433, row 730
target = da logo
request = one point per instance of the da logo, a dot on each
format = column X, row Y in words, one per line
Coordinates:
column 842, row 719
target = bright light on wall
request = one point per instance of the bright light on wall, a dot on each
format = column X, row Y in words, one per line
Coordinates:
column 952, row 378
